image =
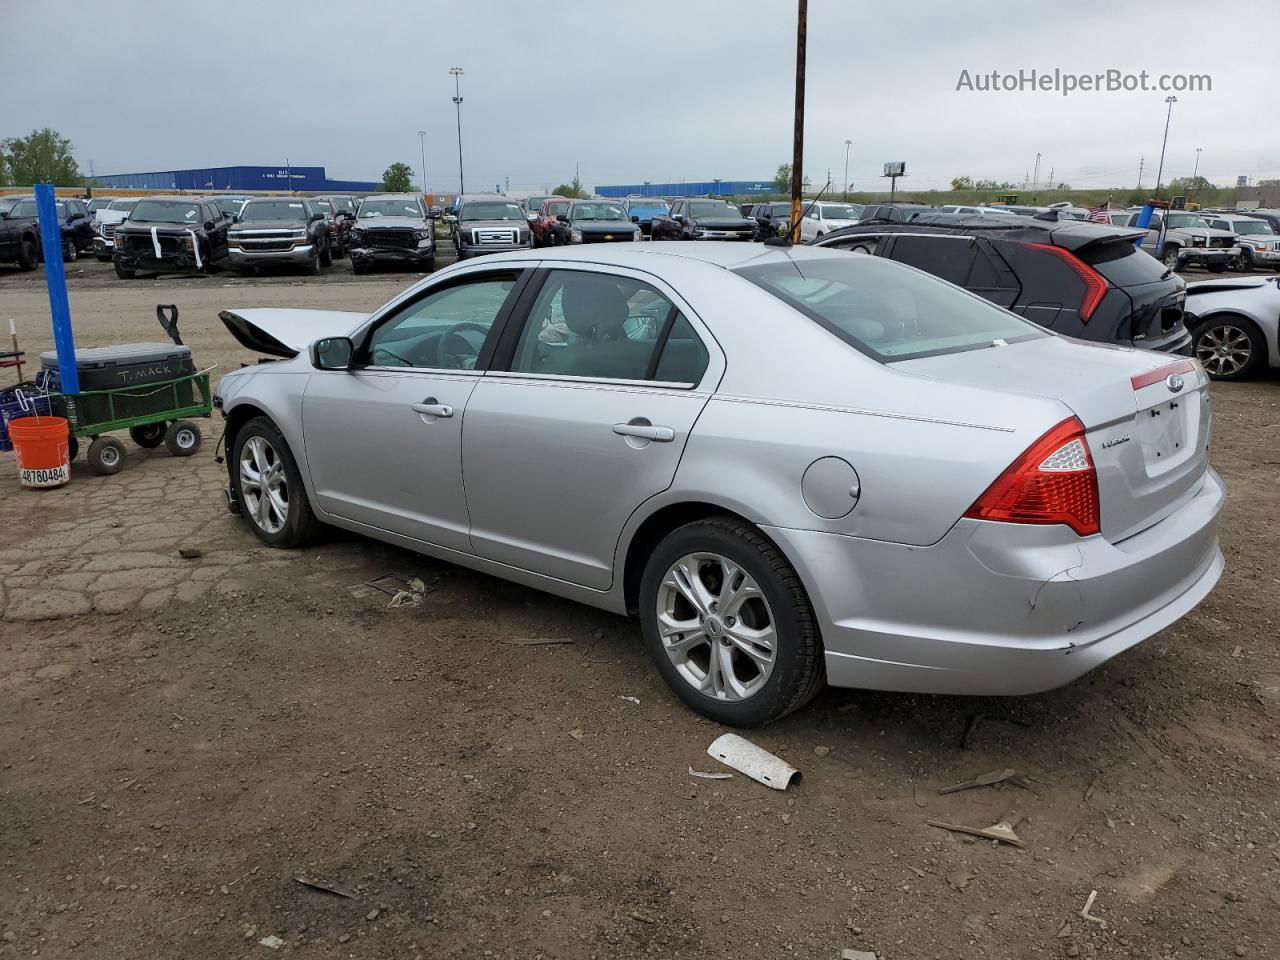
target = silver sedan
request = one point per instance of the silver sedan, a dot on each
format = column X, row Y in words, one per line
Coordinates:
column 797, row 467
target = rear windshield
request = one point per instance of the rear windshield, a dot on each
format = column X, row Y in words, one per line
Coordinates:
column 1124, row 264
column 888, row 311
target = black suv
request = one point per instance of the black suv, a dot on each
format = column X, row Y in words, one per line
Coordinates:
column 73, row 217
column 1085, row 280
column 172, row 233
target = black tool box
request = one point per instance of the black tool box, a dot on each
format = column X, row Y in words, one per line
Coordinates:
column 127, row 364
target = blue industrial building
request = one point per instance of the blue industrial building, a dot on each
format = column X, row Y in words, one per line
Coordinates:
column 250, row 179
column 702, row 188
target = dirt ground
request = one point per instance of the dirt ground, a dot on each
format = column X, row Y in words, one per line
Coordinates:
column 180, row 739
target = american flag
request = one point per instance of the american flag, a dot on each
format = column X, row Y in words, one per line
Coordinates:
column 1099, row 214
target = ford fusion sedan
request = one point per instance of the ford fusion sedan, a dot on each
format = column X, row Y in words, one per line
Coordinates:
column 491, row 226
column 392, row 228
column 795, row 466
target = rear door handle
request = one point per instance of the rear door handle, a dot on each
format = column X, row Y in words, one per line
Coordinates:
column 429, row 408
column 645, row 431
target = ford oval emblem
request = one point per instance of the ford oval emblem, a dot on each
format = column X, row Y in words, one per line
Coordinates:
column 1174, row 382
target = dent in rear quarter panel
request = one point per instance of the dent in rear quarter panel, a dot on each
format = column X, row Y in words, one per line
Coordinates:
column 916, row 476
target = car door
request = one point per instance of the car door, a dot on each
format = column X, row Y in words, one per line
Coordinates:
column 1152, row 242
column 583, row 418
column 384, row 439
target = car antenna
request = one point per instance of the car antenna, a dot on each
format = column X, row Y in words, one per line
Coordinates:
column 786, row 241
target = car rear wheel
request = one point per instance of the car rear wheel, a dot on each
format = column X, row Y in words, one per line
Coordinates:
column 69, row 252
column 1170, row 258
column 326, row 256
column 729, row 625
column 1244, row 260
column 28, row 254
column 1230, row 347
column 268, row 487
column 1217, row 267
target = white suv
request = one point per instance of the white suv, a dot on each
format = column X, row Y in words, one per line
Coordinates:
column 1259, row 245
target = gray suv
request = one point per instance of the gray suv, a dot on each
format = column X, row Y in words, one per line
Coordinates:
column 491, row 226
column 279, row 230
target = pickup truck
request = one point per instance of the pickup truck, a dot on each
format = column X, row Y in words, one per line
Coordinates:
column 1188, row 239
column 73, row 218
column 703, row 220
column 19, row 236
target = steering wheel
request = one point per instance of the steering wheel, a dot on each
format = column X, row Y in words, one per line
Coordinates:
column 456, row 332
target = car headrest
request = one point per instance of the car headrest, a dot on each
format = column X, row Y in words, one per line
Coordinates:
column 594, row 308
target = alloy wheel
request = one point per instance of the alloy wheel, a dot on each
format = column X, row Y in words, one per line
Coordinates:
column 264, row 488
column 1224, row 350
column 716, row 627
column 1170, row 259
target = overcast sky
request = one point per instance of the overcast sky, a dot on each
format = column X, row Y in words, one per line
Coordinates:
column 655, row 90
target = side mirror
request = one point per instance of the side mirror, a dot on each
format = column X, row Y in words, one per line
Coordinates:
column 317, row 216
column 678, row 217
column 235, row 218
column 635, row 219
column 562, row 218
column 209, row 225
column 332, row 353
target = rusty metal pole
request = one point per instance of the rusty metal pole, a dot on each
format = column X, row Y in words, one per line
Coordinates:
column 797, row 153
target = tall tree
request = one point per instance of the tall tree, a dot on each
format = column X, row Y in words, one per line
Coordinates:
column 43, row 157
column 782, row 179
column 962, row 183
column 573, row 189
column 397, row 178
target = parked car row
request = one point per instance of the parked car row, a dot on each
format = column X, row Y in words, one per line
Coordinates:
column 20, row 230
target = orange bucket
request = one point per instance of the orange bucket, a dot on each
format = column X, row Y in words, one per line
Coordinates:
column 42, row 446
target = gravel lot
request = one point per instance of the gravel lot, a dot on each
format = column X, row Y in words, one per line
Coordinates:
column 181, row 738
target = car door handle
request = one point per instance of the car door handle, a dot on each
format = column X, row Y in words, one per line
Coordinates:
column 645, row 431
column 429, row 408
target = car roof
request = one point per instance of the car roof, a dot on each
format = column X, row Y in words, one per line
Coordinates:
column 647, row 256
column 1067, row 233
column 393, row 196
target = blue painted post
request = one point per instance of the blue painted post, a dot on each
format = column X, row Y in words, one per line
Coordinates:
column 56, row 277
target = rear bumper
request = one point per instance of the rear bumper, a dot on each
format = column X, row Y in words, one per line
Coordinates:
column 1001, row 609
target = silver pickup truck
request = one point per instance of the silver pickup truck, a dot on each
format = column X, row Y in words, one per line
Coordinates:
column 1189, row 240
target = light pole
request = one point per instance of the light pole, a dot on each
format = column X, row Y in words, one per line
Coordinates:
column 422, row 147
column 456, row 72
column 847, row 145
column 1167, row 117
column 1195, row 173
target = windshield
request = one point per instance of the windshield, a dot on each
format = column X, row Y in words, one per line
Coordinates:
column 166, row 211
column 7, row 203
column 1253, row 227
column 840, row 211
column 389, row 208
column 534, row 203
column 557, row 208
column 888, row 312
column 97, row 204
column 229, row 204
column 273, row 210
column 491, row 211
column 1185, row 220
column 782, row 210
column 27, row 208
column 714, row 208
column 324, row 205
column 122, row 204
column 598, row 211
column 648, row 203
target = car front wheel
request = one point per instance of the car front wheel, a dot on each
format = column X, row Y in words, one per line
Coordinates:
column 729, row 624
column 1170, row 258
column 1230, row 347
column 268, row 487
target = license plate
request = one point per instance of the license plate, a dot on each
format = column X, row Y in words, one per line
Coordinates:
column 1164, row 430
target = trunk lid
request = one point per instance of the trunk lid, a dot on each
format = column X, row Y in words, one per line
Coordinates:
column 286, row 333
column 1148, row 441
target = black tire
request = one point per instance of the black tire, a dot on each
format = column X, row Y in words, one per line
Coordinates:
column 358, row 266
column 1169, row 256
column 124, row 273
column 148, row 436
column 430, row 265
column 1244, row 260
column 28, row 254
column 73, row 446
column 326, row 256
column 799, row 670
column 106, row 456
column 249, row 271
column 103, row 257
column 300, row 526
column 1217, row 267
column 182, row 438
column 69, row 252
column 1224, row 330
column 312, row 269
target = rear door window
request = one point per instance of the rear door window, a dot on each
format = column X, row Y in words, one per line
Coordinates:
column 948, row 258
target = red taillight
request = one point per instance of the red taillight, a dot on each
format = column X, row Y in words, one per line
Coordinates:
column 1095, row 285
column 1053, row 482
column 1162, row 373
